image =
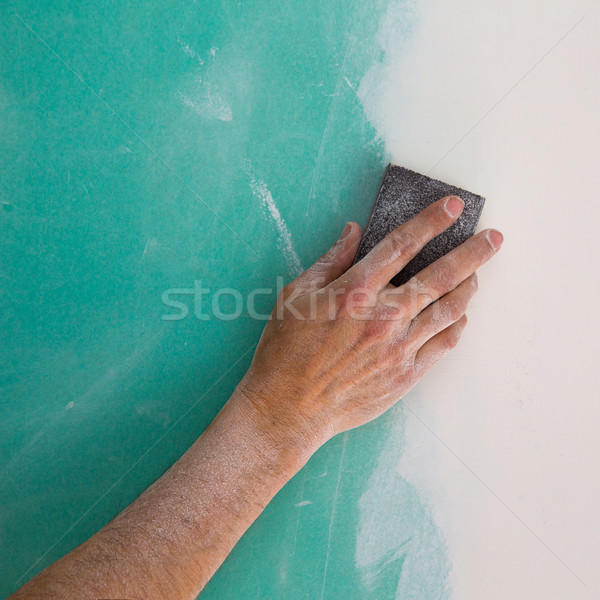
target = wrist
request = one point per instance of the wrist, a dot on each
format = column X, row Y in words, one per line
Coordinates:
column 288, row 440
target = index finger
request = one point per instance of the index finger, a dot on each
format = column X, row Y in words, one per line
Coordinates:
column 400, row 246
column 445, row 274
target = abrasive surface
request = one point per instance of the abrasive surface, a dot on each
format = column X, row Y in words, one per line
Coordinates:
column 403, row 194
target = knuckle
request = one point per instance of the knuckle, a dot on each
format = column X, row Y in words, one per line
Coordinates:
column 401, row 375
column 445, row 274
column 474, row 282
column 390, row 312
column 393, row 307
column 377, row 330
column 455, row 308
column 403, row 242
column 418, row 293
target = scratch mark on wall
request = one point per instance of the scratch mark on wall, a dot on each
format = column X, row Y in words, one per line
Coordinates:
column 145, row 249
column 303, row 503
column 185, row 47
column 260, row 190
column 327, row 124
column 208, row 103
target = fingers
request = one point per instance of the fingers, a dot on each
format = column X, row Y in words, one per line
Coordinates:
column 392, row 254
column 444, row 274
column 443, row 313
column 438, row 346
column 334, row 263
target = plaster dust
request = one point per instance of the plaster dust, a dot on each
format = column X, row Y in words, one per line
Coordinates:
column 260, row 190
column 501, row 97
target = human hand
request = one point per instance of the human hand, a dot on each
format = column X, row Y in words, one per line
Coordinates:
column 343, row 344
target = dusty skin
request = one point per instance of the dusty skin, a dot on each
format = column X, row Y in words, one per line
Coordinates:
column 341, row 348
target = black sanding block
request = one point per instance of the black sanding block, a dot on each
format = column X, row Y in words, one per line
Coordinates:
column 402, row 195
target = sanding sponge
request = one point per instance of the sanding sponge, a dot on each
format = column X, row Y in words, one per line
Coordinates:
column 402, row 195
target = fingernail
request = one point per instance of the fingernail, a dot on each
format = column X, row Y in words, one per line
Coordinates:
column 453, row 206
column 495, row 238
column 346, row 231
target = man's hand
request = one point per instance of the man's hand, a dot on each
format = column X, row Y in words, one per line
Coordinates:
column 343, row 345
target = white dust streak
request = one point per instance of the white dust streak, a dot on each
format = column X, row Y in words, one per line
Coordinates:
column 260, row 190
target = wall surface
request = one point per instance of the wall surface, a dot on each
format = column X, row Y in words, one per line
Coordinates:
column 148, row 147
column 502, row 439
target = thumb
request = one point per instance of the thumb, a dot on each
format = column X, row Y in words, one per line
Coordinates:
column 334, row 263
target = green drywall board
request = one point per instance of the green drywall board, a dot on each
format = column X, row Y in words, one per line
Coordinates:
column 146, row 146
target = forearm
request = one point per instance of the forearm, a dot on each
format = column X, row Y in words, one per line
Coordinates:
column 323, row 365
column 169, row 542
